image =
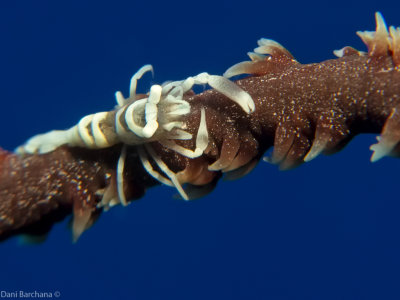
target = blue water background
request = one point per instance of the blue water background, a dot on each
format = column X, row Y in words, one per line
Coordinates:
column 327, row 230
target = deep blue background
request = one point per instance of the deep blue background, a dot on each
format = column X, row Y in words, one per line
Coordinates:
column 327, row 230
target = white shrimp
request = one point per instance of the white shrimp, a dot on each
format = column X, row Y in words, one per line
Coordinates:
column 157, row 117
